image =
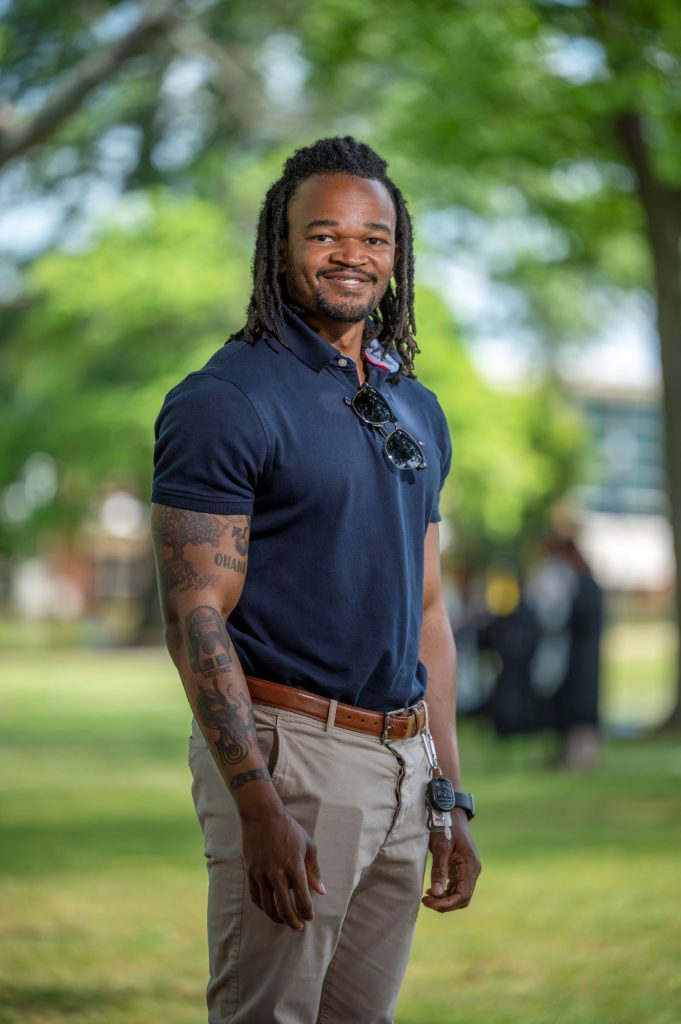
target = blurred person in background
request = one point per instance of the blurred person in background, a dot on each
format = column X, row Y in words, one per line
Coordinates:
column 295, row 522
column 507, row 631
column 529, row 652
column 567, row 604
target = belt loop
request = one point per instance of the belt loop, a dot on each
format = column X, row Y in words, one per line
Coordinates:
column 385, row 735
column 331, row 716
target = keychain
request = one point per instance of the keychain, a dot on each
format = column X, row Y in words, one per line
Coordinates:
column 440, row 797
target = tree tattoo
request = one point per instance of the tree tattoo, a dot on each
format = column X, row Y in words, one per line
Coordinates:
column 175, row 528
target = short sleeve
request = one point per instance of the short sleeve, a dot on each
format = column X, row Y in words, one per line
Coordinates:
column 445, row 450
column 210, row 448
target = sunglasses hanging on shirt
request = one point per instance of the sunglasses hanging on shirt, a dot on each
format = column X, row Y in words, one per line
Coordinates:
column 400, row 447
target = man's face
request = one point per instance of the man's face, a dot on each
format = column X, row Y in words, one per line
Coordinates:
column 340, row 251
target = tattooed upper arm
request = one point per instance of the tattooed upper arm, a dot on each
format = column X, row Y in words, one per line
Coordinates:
column 201, row 560
column 199, row 552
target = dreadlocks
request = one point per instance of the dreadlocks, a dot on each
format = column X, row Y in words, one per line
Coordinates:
column 393, row 322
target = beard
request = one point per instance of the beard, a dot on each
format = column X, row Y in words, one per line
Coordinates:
column 346, row 310
column 349, row 310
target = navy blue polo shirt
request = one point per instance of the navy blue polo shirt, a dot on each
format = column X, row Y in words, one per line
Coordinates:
column 333, row 597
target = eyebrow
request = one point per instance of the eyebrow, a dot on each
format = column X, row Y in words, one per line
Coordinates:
column 372, row 225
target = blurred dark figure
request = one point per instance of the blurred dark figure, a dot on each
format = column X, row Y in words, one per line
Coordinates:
column 567, row 604
column 529, row 649
column 496, row 636
column 507, row 638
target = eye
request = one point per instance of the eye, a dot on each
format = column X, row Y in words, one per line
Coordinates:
column 321, row 238
column 375, row 243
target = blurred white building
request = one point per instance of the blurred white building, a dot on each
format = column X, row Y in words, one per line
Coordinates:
column 620, row 508
column 624, row 530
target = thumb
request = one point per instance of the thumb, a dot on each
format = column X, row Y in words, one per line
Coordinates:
column 438, row 871
column 312, row 869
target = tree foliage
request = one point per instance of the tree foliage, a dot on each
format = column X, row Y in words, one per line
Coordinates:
column 110, row 330
column 557, row 120
column 513, row 453
column 107, row 333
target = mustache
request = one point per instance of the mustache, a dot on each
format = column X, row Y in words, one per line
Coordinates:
column 349, row 271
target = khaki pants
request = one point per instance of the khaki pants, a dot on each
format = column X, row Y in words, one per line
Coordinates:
column 363, row 803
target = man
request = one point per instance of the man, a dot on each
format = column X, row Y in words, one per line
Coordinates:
column 295, row 524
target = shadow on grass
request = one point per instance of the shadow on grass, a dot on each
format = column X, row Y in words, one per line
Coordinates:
column 99, row 742
column 63, row 1000
column 97, row 846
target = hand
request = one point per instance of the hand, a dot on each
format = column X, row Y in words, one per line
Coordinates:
column 455, row 867
column 280, row 858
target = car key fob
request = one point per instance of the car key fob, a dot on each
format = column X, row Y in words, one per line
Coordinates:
column 440, row 794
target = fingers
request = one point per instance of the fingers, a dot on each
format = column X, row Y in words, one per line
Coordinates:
column 440, row 867
column 453, row 877
column 273, row 897
column 457, row 896
column 288, row 915
column 275, row 902
column 305, row 880
column 301, row 895
column 263, row 897
column 444, row 904
column 268, row 905
column 282, row 870
column 254, row 892
column 314, row 875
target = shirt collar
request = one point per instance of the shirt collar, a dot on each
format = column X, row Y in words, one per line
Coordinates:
column 305, row 343
column 315, row 352
column 384, row 358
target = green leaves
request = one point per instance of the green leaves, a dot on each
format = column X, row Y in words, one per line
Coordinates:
column 506, row 111
column 514, row 453
column 109, row 331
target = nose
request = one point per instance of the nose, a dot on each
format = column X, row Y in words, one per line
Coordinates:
column 348, row 253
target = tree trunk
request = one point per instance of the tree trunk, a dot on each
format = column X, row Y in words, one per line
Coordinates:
column 23, row 132
column 662, row 208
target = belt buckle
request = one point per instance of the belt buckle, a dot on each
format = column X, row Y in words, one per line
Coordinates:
column 385, row 735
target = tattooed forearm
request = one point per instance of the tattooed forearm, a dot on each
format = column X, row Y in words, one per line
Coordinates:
column 207, row 640
column 176, row 528
column 240, row 780
column 218, row 709
column 231, row 718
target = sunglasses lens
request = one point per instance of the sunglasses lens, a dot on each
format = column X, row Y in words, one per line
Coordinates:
column 372, row 407
column 400, row 447
column 402, row 450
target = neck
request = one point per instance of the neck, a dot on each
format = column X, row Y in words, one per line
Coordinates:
column 347, row 338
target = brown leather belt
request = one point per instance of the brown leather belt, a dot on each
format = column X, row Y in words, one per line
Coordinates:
column 396, row 725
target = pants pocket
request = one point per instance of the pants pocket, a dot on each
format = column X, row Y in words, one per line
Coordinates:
column 270, row 740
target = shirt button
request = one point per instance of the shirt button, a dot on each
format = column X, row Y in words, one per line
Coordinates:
column 342, row 362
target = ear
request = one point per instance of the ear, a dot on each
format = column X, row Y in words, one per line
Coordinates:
column 283, row 256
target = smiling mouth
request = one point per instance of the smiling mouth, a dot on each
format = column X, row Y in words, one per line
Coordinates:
column 350, row 282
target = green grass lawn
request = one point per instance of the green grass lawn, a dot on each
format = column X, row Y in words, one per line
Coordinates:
column 102, row 885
